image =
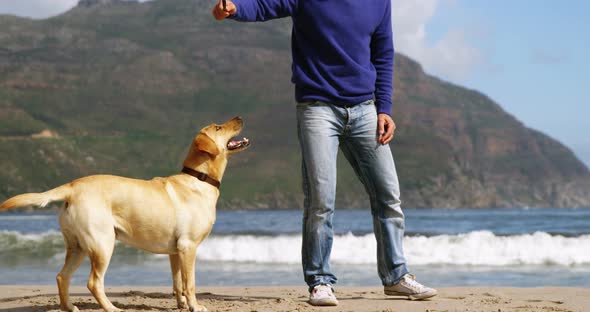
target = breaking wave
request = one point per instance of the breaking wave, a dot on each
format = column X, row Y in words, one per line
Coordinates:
column 479, row 248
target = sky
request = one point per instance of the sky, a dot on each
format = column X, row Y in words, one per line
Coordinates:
column 530, row 56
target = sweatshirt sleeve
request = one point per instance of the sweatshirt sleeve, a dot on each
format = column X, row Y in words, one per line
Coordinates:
column 263, row 10
column 382, row 54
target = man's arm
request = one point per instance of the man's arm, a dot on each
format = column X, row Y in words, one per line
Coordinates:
column 255, row 10
column 382, row 55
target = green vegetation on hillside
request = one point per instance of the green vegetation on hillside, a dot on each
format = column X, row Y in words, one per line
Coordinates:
column 127, row 85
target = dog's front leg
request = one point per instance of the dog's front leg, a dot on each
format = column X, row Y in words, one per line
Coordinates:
column 177, row 282
column 187, row 252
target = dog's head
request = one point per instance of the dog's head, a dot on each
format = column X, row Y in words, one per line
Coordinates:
column 216, row 140
column 213, row 144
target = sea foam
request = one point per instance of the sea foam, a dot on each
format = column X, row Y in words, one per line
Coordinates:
column 479, row 248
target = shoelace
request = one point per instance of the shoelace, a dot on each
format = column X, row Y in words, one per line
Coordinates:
column 323, row 290
column 411, row 283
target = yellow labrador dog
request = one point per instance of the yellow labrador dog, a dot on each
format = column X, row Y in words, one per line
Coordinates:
column 170, row 215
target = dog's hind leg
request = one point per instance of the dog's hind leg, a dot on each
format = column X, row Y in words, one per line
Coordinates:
column 177, row 282
column 100, row 255
column 74, row 257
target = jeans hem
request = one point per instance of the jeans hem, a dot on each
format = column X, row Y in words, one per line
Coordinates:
column 311, row 286
column 402, row 272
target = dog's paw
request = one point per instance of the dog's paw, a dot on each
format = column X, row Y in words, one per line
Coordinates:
column 70, row 308
column 198, row 308
column 182, row 305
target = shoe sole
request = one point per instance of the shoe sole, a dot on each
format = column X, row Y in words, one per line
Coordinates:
column 324, row 303
column 411, row 297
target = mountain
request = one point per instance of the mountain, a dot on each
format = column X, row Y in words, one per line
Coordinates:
column 121, row 87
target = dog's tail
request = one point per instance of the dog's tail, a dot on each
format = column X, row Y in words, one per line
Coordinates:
column 60, row 193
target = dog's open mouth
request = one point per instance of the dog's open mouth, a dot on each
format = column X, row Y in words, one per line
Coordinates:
column 235, row 144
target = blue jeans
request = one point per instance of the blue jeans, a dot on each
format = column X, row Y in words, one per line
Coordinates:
column 322, row 129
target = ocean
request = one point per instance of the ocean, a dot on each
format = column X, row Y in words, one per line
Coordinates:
column 444, row 247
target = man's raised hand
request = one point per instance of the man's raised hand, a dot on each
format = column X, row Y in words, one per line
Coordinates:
column 219, row 13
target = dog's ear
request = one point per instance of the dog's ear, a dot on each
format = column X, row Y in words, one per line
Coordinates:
column 205, row 144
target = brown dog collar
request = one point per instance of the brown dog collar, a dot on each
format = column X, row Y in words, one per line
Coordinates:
column 201, row 176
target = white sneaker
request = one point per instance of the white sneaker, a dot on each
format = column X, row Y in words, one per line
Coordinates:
column 322, row 295
column 408, row 287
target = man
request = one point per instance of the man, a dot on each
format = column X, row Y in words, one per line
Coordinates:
column 343, row 75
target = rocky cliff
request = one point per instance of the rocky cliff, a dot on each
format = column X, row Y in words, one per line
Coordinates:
column 121, row 87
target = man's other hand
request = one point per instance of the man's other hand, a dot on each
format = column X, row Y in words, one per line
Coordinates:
column 386, row 128
column 219, row 13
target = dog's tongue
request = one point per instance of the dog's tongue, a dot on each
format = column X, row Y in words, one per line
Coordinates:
column 237, row 143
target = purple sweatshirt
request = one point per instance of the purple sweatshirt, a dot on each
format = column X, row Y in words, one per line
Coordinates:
column 342, row 49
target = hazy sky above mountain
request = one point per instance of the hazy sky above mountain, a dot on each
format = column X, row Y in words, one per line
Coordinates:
column 529, row 56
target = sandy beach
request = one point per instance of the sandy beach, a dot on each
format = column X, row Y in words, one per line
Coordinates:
column 287, row 298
